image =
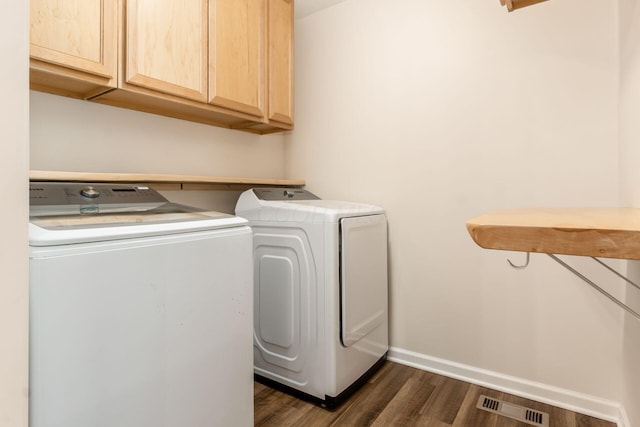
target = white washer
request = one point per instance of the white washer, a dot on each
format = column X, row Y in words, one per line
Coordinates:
column 140, row 310
column 320, row 291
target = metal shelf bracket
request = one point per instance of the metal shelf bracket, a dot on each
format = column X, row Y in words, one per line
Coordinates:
column 592, row 283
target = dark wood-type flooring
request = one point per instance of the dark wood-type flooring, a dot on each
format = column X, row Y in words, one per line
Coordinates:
column 399, row 395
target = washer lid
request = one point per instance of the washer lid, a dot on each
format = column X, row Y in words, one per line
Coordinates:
column 167, row 219
column 60, row 214
column 163, row 214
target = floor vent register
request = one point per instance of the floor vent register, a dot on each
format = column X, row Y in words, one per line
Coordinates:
column 516, row 412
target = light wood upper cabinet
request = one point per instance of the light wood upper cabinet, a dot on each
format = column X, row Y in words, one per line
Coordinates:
column 227, row 63
column 237, row 44
column 73, row 46
column 280, row 53
column 166, row 47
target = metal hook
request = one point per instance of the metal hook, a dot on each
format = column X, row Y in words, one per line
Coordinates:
column 519, row 267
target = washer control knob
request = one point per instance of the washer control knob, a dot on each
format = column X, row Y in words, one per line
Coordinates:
column 89, row 192
column 289, row 194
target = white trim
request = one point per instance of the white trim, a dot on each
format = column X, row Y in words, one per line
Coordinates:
column 562, row 398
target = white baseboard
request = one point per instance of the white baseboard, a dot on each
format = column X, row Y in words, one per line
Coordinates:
column 566, row 399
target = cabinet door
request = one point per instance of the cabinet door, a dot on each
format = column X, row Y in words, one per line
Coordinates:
column 280, row 52
column 166, row 46
column 236, row 55
column 77, row 34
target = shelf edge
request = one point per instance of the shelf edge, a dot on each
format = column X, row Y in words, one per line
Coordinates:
column 41, row 175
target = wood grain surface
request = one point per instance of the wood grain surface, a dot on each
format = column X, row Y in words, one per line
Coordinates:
column 166, row 46
column 399, row 395
column 280, row 53
column 597, row 232
column 186, row 181
column 517, row 4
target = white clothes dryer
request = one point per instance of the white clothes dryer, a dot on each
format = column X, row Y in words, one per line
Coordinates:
column 320, row 292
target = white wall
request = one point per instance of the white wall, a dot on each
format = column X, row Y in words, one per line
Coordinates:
column 629, row 16
column 442, row 110
column 14, row 137
column 73, row 135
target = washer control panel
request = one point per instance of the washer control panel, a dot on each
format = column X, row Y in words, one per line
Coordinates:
column 43, row 194
column 284, row 194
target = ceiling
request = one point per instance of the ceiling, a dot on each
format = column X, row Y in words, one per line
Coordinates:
column 307, row 7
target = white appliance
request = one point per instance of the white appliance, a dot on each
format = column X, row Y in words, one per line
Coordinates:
column 140, row 310
column 320, row 291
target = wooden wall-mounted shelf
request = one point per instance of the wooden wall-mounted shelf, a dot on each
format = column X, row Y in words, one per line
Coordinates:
column 594, row 232
column 166, row 181
column 517, row 4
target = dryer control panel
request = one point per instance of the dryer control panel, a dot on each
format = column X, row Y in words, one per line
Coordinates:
column 284, row 194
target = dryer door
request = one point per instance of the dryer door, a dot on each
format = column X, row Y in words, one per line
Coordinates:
column 363, row 276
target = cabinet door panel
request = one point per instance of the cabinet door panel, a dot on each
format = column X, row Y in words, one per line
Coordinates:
column 280, row 30
column 167, row 46
column 236, row 55
column 78, row 34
